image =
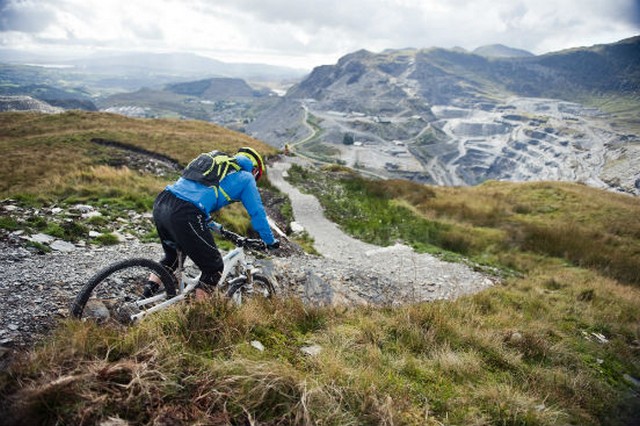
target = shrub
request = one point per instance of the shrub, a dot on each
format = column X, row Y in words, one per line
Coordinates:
column 107, row 239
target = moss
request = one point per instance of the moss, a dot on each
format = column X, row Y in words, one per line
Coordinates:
column 9, row 223
column 107, row 239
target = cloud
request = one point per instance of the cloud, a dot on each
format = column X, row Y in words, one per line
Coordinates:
column 25, row 16
column 314, row 31
column 378, row 24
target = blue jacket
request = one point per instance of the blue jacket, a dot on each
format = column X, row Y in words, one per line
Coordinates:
column 238, row 186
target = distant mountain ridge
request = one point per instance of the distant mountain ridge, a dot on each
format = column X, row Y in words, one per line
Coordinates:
column 180, row 64
column 448, row 76
column 79, row 83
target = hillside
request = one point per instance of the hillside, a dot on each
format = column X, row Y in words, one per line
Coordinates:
column 555, row 342
column 71, row 148
column 215, row 88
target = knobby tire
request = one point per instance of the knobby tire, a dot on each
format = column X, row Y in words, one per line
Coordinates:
column 102, row 278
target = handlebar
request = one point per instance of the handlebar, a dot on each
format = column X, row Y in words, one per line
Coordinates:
column 238, row 240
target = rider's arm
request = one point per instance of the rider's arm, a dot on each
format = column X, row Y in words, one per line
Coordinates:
column 250, row 198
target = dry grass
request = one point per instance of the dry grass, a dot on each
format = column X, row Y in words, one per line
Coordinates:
column 37, row 147
column 521, row 353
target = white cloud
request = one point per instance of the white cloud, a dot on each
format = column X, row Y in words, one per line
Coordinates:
column 308, row 33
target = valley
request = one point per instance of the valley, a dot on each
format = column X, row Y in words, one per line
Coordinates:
column 518, row 140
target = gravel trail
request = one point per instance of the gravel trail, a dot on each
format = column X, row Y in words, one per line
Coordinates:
column 408, row 275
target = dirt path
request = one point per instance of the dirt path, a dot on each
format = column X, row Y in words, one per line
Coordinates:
column 416, row 276
column 330, row 241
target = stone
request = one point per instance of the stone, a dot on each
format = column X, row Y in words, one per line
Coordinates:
column 318, row 290
column 313, row 350
column 41, row 238
column 296, row 228
column 83, row 208
column 515, row 337
column 63, row 246
column 257, row 345
column 91, row 214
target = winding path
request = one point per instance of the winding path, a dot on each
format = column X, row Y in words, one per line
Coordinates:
column 413, row 275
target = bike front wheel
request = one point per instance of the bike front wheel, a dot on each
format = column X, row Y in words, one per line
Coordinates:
column 113, row 293
column 260, row 287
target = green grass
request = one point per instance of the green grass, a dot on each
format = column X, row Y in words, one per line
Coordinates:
column 107, row 239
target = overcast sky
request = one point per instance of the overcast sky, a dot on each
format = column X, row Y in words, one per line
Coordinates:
column 304, row 34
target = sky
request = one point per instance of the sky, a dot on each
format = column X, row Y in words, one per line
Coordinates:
column 304, row 34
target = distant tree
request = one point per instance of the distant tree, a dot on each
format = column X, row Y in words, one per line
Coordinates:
column 348, row 139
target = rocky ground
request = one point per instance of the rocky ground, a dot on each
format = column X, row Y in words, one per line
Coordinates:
column 36, row 285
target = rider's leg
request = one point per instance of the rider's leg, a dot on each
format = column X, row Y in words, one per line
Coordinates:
column 186, row 225
column 198, row 244
column 163, row 209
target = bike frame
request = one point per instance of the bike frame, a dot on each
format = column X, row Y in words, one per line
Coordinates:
column 235, row 260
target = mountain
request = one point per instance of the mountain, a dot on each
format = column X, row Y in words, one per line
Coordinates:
column 454, row 77
column 457, row 118
column 435, row 115
column 144, row 84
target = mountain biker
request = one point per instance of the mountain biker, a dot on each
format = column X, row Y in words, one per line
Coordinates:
column 181, row 210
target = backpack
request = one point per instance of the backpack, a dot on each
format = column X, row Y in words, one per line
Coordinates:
column 210, row 168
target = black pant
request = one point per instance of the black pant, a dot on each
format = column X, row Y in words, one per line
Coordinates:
column 181, row 224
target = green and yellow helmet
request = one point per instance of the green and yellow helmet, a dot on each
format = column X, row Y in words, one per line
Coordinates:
column 258, row 165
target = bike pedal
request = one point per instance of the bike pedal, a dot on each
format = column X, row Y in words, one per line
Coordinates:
column 150, row 289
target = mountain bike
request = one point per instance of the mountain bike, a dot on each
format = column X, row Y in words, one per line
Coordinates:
column 115, row 292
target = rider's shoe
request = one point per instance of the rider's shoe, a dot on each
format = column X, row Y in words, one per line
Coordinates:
column 150, row 289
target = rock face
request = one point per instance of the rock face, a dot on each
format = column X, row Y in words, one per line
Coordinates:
column 453, row 118
column 26, row 103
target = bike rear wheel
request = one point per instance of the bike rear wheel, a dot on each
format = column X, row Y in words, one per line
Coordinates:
column 260, row 287
column 111, row 294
